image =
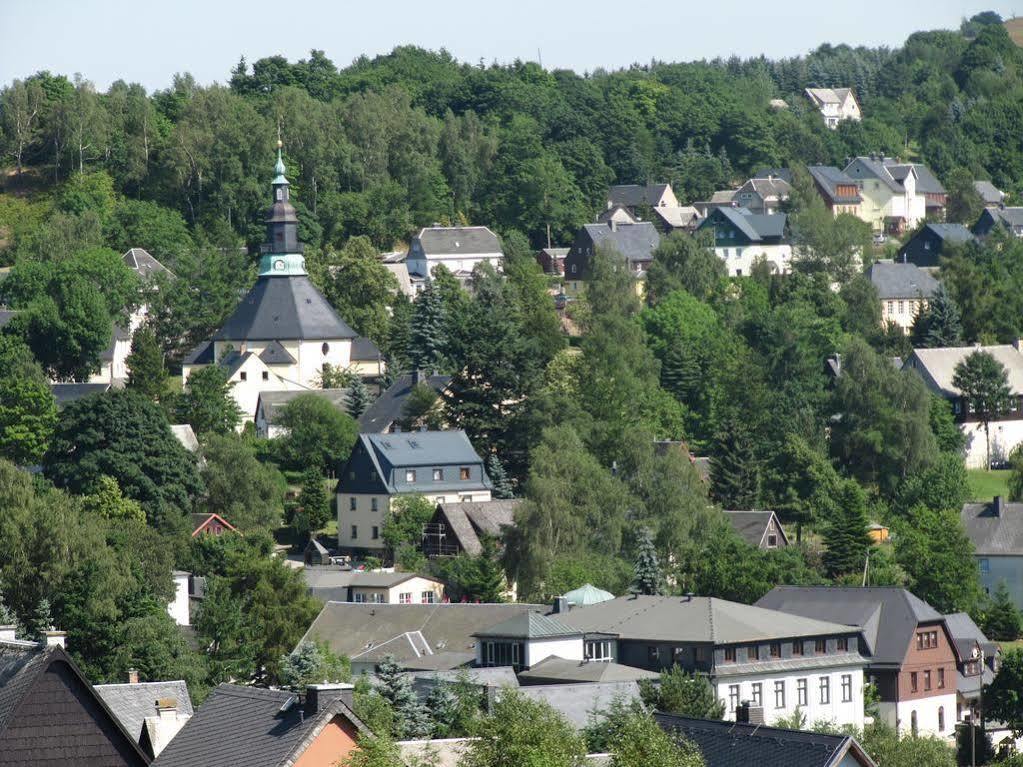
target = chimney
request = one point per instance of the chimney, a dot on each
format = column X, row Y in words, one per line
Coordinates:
column 8, row 633
column 319, row 696
column 416, row 376
column 55, row 638
column 133, row 676
column 560, row 605
column 747, row 713
column 998, row 506
column 167, row 708
column 613, row 224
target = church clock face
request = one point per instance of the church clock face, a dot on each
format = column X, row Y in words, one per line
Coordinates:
column 279, row 265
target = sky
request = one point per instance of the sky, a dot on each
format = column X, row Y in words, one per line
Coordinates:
column 147, row 41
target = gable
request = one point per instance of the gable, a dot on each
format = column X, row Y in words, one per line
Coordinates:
column 333, row 744
column 60, row 721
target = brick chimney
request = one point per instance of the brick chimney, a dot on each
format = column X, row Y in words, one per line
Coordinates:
column 747, row 713
column 8, row 633
column 167, row 708
column 133, row 676
column 319, row 696
column 56, row 638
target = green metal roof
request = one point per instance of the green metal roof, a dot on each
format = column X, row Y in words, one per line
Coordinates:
column 588, row 594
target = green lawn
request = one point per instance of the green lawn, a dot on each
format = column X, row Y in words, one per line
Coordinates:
column 985, row 485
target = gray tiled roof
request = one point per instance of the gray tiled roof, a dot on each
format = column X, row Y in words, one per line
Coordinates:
column 143, row 264
column 994, row 535
column 751, row 525
column 829, row 178
column 555, row 670
column 954, row 233
column 422, row 448
column 767, row 187
column 636, row 242
column 693, row 619
column 132, row 703
column 1012, row 217
column 275, row 354
column 386, row 409
column 632, row 195
column 897, row 280
column 937, row 366
column 926, row 182
column 373, row 580
column 274, row 401
column 64, row 393
column 887, row 616
column 829, row 95
column 245, row 727
column 577, row 702
column 353, row 628
column 455, row 240
column 872, row 167
column 201, row 354
column 989, row 193
column 732, row 744
column 467, row 520
column 756, row 226
column 364, row 350
column 529, row 626
column 284, row 308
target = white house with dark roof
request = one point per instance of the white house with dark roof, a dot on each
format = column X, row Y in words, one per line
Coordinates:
column 636, row 196
column 284, row 333
column 893, row 194
column 996, row 531
column 442, row 466
column 458, row 248
column 903, row 289
column 742, row 239
column 835, row 104
column 524, row 640
column 763, row 195
column 937, row 368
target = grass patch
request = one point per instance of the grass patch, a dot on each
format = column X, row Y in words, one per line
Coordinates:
column 985, row 485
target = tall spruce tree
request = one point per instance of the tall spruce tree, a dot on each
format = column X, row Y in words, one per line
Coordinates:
column 426, row 340
column 411, row 718
column 313, row 502
column 647, row 578
column 736, row 470
column 40, row 622
column 939, row 323
column 359, row 398
column 1002, row 620
column 146, row 372
column 7, row 616
column 846, row 533
column 499, row 478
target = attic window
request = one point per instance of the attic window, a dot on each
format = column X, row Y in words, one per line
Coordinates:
column 410, row 475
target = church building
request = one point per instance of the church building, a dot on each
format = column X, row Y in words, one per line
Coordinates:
column 284, row 333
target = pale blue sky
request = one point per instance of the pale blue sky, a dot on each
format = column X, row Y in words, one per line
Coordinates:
column 148, row 40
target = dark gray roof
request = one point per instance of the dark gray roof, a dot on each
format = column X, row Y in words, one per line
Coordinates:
column 555, row 670
column 732, row 744
column 233, row 361
column 493, row 676
column 1011, row 217
column 354, row 629
column 386, row 409
column 577, row 702
column 132, row 703
column 456, row 240
column 954, row 233
column 829, row 178
column 756, row 226
column 994, row 535
column 392, row 453
column 752, row 525
column 631, row 195
column 693, row 619
column 636, row 242
column 202, row 354
column 873, row 167
column 64, row 393
column 284, row 308
column 888, row 617
column 897, row 280
column 272, row 402
column 143, row 264
column 275, row 354
column 364, row 350
column 467, row 520
column 245, row 727
column 989, row 193
column 926, row 182
column 529, row 626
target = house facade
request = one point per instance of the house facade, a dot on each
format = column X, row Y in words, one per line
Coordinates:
column 891, row 202
column 841, row 193
column 904, row 291
column 761, row 529
column 776, row 661
column 909, row 653
column 930, row 243
column 458, row 248
column 834, row 104
column 395, row 589
column 996, row 531
column 527, row 639
column 937, row 368
column 763, row 195
column 442, row 466
column 634, row 197
column 742, row 239
column 635, row 242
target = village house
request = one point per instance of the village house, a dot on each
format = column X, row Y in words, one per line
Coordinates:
column 779, row 662
column 992, row 196
column 890, row 200
column 977, row 662
column 909, row 653
column 284, row 333
column 270, row 404
column 937, row 368
column 636, row 197
column 927, row 246
column 996, row 531
column 903, row 289
column 636, row 243
column 269, row 728
column 841, row 193
column 834, row 104
column 50, row 714
column 385, row 414
column 151, row 712
column 1011, row 219
column 552, row 260
column 763, row 195
column 760, row 529
column 442, row 466
column 458, row 528
column 458, row 248
column 742, row 239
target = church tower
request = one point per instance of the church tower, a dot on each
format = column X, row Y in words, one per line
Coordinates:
column 282, row 253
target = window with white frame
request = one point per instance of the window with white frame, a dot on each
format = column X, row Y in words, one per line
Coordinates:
column 733, row 697
column 846, row 688
column 597, row 650
column 376, row 598
column 410, row 475
column 358, row 596
column 758, row 693
column 405, row 598
column 825, row 688
column 779, row 693
column 427, row 597
column 802, row 699
column 438, row 475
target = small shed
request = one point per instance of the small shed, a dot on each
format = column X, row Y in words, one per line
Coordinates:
column 315, row 553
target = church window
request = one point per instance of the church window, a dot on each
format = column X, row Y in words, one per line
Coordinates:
column 280, row 193
column 325, row 348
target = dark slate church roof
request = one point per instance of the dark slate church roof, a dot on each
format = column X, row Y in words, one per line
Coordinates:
column 284, row 307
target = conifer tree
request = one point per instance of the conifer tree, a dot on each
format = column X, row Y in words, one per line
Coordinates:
column 846, row 533
column 736, row 472
column 442, row 704
column 426, row 341
column 411, row 719
column 40, row 622
column 647, row 579
column 499, row 478
column 146, row 372
column 359, row 398
column 939, row 324
column 313, row 501
column 7, row 616
column 1003, row 621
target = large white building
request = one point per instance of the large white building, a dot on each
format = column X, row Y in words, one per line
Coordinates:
column 284, row 333
column 458, row 248
column 835, row 104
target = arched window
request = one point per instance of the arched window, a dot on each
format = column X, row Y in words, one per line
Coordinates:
column 941, row 718
column 912, row 723
column 280, row 193
column 325, row 348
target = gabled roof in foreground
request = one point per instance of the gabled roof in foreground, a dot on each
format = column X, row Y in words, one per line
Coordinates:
column 469, row 519
column 733, row 744
column 132, row 703
column 898, row 280
column 694, row 619
column 458, row 240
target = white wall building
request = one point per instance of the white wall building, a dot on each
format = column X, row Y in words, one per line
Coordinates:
column 178, row 607
column 835, row 104
column 458, row 248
